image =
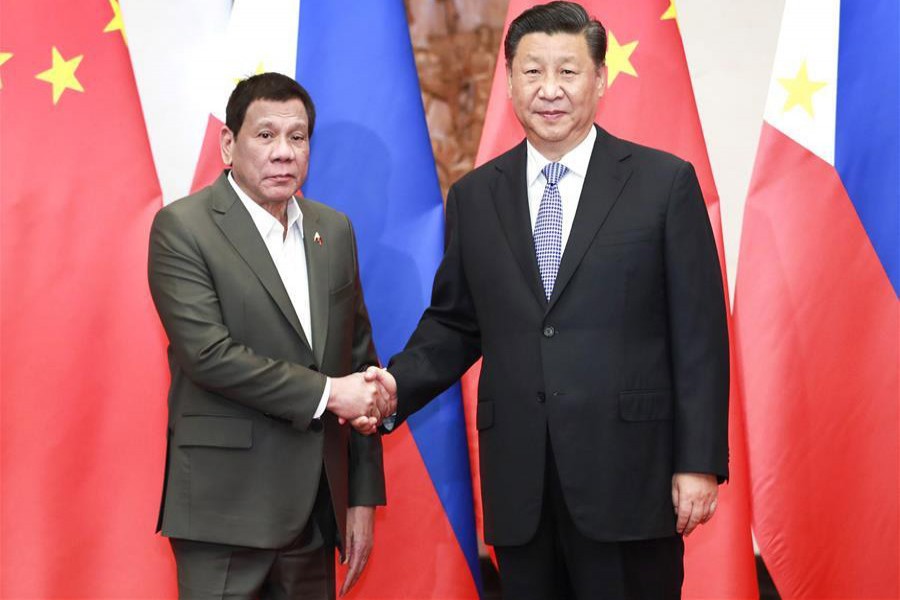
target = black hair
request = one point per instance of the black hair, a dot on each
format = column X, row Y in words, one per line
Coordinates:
column 265, row 86
column 557, row 17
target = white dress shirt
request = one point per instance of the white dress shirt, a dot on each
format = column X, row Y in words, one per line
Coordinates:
column 576, row 160
column 289, row 255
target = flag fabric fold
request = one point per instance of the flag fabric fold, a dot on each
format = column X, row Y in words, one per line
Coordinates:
column 816, row 311
column 371, row 157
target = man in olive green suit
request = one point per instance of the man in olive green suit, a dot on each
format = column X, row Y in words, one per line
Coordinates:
column 260, row 296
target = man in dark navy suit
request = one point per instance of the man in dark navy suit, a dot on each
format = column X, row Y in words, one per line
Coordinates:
column 584, row 269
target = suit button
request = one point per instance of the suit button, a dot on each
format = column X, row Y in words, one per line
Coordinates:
column 315, row 425
column 541, row 397
column 549, row 331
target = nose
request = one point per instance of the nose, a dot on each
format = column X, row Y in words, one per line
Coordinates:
column 550, row 87
column 282, row 149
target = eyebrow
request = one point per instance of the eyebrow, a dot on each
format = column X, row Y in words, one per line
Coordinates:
column 537, row 58
column 270, row 123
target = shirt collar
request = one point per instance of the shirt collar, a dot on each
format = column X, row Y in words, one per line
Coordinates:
column 263, row 219
column 575, row 160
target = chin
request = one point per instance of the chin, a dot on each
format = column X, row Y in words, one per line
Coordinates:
column 552, row 136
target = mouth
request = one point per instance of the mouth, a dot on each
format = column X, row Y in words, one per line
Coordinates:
column 281, row 178
column 551, row 115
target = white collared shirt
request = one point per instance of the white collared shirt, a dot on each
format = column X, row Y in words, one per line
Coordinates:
column 576, row 160
column 289, row 255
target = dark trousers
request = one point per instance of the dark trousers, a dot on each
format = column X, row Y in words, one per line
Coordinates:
column 305, row 569
column 560, row 563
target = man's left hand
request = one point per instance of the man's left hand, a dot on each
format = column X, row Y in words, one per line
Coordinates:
column 694, row 498
column 360, row 538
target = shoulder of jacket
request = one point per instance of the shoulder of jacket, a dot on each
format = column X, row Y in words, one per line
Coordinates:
column 193, row 204
column 323, row 211
column 642, row 155
column 485, row 174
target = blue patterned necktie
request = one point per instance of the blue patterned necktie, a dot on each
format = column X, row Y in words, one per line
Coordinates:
column 548, row 227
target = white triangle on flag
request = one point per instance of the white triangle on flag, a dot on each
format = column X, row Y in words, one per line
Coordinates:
column 809, row 41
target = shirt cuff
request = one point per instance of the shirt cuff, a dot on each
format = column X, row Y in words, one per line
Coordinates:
column 389, row 422
column 324, row 401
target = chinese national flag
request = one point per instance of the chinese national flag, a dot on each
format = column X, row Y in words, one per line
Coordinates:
column 83, row 372
column 649, row 100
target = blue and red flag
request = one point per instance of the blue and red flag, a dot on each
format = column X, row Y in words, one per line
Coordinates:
column 816, row 309
column 371, row 158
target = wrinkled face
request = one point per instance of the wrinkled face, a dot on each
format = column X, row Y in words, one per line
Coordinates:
column 554, row 87
column 269, row 157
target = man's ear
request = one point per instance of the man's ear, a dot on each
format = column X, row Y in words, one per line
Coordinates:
column 601, row 83
column 508, row 81
column 226, row 144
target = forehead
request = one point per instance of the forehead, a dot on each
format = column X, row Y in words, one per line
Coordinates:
column 545, row 47
column 291, row 111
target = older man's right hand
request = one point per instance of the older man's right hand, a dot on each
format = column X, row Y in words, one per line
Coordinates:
column 358, row 401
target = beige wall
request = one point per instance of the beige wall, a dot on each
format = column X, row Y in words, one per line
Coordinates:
column 455, row 44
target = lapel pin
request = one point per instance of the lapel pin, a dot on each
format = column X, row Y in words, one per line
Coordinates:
column 318, row 239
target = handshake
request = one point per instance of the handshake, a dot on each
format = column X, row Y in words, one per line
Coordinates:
column 363, row 399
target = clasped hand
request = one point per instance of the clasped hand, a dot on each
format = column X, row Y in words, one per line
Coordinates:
column 363, row 399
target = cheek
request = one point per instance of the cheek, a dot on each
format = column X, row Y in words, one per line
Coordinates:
column 522, row 101
column 302, row 160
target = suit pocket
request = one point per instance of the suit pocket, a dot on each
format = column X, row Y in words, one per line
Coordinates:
column 646, row 405
column 626, row 237
column 484, row 418
column 344, row 291
column 214, row 431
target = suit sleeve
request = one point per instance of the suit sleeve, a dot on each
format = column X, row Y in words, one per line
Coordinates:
column 698, row 331
column 366, row 465
column 447, row 340
column 187, row 301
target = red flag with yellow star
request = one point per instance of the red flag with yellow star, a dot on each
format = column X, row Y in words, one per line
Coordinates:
column 82, row 353
column 649, row 100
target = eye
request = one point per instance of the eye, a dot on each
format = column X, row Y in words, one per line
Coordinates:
column 298, row 137
column 531, row 71
column 568, row 72
column 265, row 135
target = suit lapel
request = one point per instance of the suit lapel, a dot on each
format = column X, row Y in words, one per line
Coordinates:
column 317, row 269
column 606, row 177
column 237, row 225
column 511, row 201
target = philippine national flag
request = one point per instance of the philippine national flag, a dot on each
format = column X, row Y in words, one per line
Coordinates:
column 816, row 309
column 370, row 158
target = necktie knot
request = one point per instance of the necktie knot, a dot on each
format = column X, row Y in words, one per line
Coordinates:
column 553, row 172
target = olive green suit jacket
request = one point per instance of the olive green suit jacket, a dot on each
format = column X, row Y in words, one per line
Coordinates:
column 244, row 453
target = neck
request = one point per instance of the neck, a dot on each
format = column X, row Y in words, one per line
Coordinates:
column 553, row 151
column 277, row 210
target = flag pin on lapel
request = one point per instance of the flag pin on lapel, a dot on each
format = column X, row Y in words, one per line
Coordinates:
column 318, row 238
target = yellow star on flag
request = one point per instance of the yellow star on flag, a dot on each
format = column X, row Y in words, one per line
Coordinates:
column 116, row 24
column 260, row 69
column 800, row 90
column 618, row 58
column 62, row 74
column 670, row 13
column 4, row 56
